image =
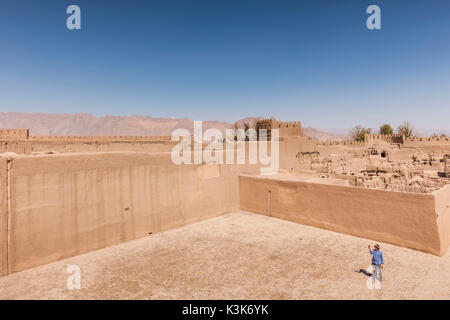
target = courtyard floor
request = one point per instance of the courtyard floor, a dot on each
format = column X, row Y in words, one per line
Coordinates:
column 237, row 256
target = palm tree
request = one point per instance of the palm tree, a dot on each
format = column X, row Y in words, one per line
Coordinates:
column 237, row 132
column 406, row 129
column 249, row 135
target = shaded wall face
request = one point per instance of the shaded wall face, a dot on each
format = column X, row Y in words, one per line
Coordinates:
column 64, row 205
column 404, row 219
column 443, row 216
column 3, row 216
column 61, row 146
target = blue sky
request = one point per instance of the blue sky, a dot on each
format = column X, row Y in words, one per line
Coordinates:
column 313, row 61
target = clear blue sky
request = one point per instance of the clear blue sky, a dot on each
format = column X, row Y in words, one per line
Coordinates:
column 313, row 61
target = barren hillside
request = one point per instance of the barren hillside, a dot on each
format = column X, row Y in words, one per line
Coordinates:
column 321, row 135
column 82, row 124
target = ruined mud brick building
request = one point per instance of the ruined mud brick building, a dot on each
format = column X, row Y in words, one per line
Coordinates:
column 63, row 196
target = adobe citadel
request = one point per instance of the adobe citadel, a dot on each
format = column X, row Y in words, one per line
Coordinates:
column 61, row 196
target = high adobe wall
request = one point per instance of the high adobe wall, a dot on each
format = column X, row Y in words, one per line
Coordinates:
column 410, row 142
column 350, row 143
column 23, row 135
column 36, row 147
column 3, row 215
column 390, row 138
column 14, row 134
column 420, row 142
column 68, row 204
column 62, row 144
column 418, row 221
column 98, row 138
column 19, row 141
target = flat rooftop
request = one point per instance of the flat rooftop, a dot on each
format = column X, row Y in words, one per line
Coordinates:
column 237, row 256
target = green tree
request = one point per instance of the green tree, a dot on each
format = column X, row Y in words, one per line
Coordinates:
column 386, row 129
column 406, row 129
column 358, row 132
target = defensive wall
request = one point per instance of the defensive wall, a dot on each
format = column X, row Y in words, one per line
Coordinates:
column 428, row 144
column 342, row 143
column 409, row 142
column 19, row 141
column 341, row 147
column 63, row 146
column 3, row 214
column 14, row 134
column 407, row 145
column 413, row 220
column 286, row 128
column 54, row 206
column 23, row 135
column 58, row 206
column 390, row 138
column 427, row 141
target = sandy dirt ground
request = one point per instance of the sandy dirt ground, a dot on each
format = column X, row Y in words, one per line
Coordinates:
column 237, row 256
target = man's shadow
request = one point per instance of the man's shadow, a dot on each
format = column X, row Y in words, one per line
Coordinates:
column 364, row 272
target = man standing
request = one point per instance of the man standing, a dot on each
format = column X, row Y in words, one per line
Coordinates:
column 377, row 262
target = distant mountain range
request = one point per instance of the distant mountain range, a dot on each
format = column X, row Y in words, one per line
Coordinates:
column 322, row 135
column 84, row 124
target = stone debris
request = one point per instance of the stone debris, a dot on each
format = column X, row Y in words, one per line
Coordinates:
column 373, row 168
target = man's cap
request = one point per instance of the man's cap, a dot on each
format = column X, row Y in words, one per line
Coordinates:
column 377, row 246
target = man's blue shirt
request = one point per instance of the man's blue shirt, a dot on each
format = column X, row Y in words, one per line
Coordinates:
column 377, row 257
